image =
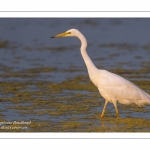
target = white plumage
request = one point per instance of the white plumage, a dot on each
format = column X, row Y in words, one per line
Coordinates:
column 112, row 87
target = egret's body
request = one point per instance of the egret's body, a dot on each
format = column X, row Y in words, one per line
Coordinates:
column 112, row 87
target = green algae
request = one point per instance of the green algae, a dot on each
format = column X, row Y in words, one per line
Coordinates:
column 120, row 71
column 40, row 70
column 122, row 46
column 68, row 126
column 73, row 85
column 122, row 125
column 27, row 72
column 4, row 44
column 76, row 101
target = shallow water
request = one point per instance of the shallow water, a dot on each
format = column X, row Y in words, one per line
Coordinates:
column 44, row 81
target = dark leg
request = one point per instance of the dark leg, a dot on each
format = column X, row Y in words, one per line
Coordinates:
column 117, row 113
column 102, row 115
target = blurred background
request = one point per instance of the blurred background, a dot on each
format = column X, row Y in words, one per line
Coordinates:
column 45, row 80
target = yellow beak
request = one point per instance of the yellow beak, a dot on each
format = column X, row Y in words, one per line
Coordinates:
column 60, row 35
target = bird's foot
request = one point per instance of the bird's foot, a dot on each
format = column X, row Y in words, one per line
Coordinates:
column 118, row 116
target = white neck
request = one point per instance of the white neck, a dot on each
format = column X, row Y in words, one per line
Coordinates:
column 92, row 70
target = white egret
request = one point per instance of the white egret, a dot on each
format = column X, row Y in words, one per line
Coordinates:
column 113, row 88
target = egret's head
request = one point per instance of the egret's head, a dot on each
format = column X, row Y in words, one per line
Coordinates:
column 71, row 32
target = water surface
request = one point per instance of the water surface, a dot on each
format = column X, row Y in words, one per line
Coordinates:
column 44, row 82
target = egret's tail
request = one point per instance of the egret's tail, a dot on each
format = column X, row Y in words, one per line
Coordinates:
column 145, row 99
